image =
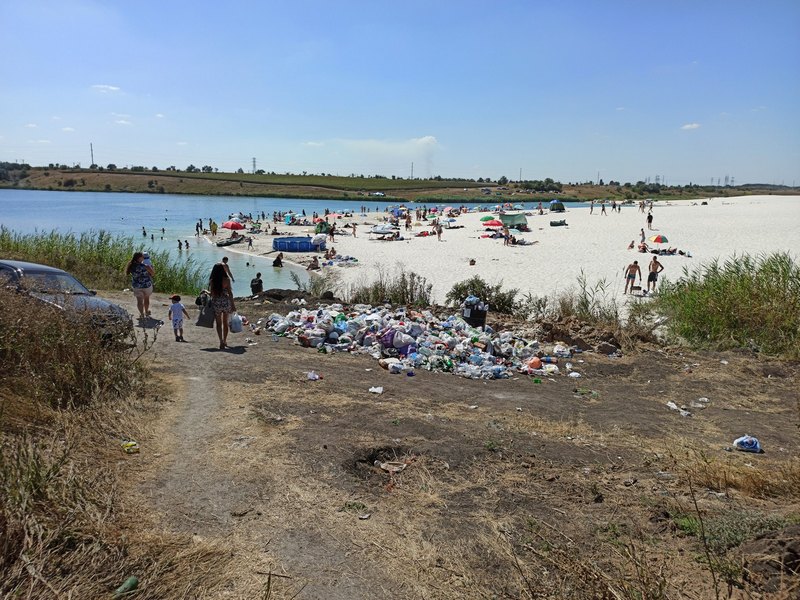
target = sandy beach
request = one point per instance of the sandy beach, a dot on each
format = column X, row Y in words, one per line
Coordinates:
column 594, row 244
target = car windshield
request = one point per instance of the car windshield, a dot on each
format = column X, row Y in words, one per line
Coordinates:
column 53, row 283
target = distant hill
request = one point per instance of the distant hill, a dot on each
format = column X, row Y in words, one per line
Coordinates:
column 139, row 180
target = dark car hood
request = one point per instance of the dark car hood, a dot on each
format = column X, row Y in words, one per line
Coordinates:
column 83, row 303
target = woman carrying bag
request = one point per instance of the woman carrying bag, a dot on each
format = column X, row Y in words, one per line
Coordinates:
column 219, row 286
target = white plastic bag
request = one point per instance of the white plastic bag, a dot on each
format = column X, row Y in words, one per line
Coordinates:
column 235, row 323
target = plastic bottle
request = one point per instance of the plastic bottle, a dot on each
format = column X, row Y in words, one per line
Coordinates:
column 550, row 359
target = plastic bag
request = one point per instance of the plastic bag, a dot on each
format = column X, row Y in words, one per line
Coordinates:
column 206, row 317
column 747, row 443
column 235, row 323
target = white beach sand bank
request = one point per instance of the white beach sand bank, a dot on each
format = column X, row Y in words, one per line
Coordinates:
column 593, row 244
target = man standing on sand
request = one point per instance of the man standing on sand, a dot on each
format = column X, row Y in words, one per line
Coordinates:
column 641, row 231
column 650, row 220
column 591, row 207
column 655, row 268
column 631, row 271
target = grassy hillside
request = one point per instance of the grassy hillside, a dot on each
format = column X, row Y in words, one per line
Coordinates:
column 350, row 188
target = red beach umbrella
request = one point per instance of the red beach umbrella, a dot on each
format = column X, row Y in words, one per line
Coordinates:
column 232, row 225
column 659, row 239
column 493, row 223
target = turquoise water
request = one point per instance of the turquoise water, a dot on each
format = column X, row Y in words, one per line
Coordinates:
column 28, row 211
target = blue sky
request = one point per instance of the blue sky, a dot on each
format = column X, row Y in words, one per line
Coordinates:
column 686, row 90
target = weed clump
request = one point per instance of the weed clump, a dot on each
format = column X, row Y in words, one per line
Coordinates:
column 747, row 301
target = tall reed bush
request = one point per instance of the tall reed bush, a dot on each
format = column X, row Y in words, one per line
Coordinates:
column 98, row 259
column 401, row 288
column 746, row 301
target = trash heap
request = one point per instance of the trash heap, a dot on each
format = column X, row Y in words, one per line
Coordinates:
column 404, row 340
column 340, row 261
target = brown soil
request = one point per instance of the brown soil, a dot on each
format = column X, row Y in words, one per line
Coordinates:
column 510, row 489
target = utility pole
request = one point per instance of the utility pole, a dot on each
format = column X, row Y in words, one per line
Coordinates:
column 412, row 171
column 254, row 165
column 91, row 151
column 520, row 174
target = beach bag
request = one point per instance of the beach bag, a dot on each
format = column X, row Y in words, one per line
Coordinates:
column 206, row 318
column 235, row 324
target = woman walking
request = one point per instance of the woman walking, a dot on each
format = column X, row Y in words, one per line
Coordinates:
column 219, row 285
column 141, row 282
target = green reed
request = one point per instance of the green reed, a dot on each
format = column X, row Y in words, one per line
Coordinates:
column 746, row 301
column 99, row 259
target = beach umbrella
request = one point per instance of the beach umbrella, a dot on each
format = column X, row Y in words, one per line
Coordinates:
column 450, row 220
column 519, row 207
column 431, row 217
column 659, row 239
column 447, row 209
column 487, row 218
column 493, row 223
column 232, row 225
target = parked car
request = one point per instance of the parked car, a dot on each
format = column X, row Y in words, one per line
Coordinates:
column 61, row 290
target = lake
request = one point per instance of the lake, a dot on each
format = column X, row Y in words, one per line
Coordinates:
column 29, row 211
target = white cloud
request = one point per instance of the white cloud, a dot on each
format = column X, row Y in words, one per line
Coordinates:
column 30, row 125
column 38, row 141
column 159, row 116
column 183, row 143
column 122, row 122
column 426, row 144
column 758, row 109
column 314, row 144
column 105, row 89
column 620, row 108
column 689, row 126
column 68, row 129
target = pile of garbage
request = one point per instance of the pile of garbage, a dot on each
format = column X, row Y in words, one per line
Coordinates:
column 404, row 340
column 340, row 261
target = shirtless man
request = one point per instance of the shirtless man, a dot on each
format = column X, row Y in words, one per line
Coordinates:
column 631, row 271
column 227, row 268
column 655, row 268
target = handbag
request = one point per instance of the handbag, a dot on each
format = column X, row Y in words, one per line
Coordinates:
column 235, row 324
column 206, row 318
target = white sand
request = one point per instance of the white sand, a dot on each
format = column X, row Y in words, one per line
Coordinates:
column 594, row 244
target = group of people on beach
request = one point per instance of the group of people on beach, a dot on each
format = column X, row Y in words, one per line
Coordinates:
column 219, row 294
column 633, row 270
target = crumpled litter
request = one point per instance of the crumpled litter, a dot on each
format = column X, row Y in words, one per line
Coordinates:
column 402, row 340
column 376, row 390
column 313, row 376
column 130, row 446
column 391, row 466
column 672, row 406
column 748, row 443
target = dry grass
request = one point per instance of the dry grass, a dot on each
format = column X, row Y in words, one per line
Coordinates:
column 67, row 403
column 771, row 479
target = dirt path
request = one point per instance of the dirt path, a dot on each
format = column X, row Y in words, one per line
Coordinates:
column 250, row 454
column 208, row 473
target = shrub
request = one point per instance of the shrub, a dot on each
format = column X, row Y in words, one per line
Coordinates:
column 745, row 301
column 402, row 288
column 499, row 300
